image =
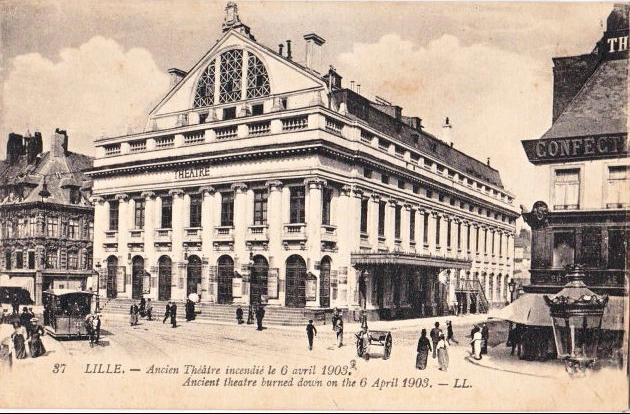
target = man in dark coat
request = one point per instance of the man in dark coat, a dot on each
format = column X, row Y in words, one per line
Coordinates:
column 485, row 335
column 25, row 320
column 435, row 337
column 311, row 331
column 167, row 313
column 260, row 314
column 239, row 315
column 190, row 310
column 173, row 315
column 15, row 303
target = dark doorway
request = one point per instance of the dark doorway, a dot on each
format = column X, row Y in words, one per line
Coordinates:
column 296, row 282
column 137, row 277
column 165, row 278
column 258, row 280
column 112, row 269
column 226, row 272
column 193, row 279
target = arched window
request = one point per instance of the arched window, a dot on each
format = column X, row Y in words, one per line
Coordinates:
column 257, row 78
column 205, row 87
column 230, row 77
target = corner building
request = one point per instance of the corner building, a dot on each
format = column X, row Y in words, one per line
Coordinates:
column 258, row 180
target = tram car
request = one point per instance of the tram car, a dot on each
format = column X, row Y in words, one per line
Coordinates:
column 65, row 311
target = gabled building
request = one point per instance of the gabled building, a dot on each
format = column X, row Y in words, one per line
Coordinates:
column 259, row 179
column 46, row 219
column 582, row 217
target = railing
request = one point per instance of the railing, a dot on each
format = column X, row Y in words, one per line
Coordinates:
column 334, row 126
column 137, row 146
column 111, row 234
column 295, row 231
column 136, row 234
column 192, row 233
column 329, row 232
column 113, row 149
column 165, row 142
column 163, row 234
column 259, row 128
column 258, row 232
column 227, row 132
column 196, row 137
column 224, row 232
column 294, row 124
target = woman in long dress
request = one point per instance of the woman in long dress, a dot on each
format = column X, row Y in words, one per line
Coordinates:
column 442, row 353
column 35, row 344
column 476, row 344
column 424, row 346
column 19, row 341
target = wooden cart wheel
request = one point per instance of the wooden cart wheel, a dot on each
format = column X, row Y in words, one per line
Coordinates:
column 388, row 346
column 359, row 347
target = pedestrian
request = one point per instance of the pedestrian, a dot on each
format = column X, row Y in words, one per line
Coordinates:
column 339, row 330
column 96, row 327
column 424, row 346
column 6, row 357
column 142, row 308
column 167, row 313
column 15, row 303
column 476, row 343
column 133, row 314
column 149, row 310
column 89, row 328
column 442, row 351
column 485, row 335
column 260, row 314
column 472, row 335
column 173, row 315
column 435, row 337
column 190, row 310
column 449, row 333
column 25, row 320
column 35, row 345
column 239, row 315
column 311, row 332
column 19, row 340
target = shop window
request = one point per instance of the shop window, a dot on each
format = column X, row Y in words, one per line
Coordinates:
column 591, row 246
column 563, row 249
column 566, row 191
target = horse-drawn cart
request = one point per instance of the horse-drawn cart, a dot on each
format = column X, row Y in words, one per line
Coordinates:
column 366, row 339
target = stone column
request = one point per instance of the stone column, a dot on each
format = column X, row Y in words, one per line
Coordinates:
column 432, row 231
column 420, row 229
column 149, row 235
column 208, row 290
column 240, row 220
column 125, row 217
column 313, row 213
column 275, row 225
column 101, row 225
column 405, row 219
column 390, row 212
column 373, row 207
column 177, row 239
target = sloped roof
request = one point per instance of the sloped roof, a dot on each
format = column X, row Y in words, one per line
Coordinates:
column 601, row 106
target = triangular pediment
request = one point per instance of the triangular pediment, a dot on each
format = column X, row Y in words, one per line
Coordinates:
column 284, row 76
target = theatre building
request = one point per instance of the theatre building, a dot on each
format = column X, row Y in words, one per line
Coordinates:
column 259, row 180
column 582, row 217
column 46, row 218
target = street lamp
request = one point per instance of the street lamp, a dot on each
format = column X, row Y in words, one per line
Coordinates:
column 512, row 287
column 576, row 314
column 98, row 286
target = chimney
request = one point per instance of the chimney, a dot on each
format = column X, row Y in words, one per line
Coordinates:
column 34, row 146
column 333, row 79
column 313, row 51
column 176, row 76
column 359, row 88
column 352, row 86
column 15, row 147
column 488, row 162
column 289, row 49
column 447, row 131
column 59, row 144
column 280, row 47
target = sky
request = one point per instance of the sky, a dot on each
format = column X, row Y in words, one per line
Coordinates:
column 97, row 68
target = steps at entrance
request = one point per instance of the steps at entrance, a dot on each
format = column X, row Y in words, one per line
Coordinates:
column 218, row 312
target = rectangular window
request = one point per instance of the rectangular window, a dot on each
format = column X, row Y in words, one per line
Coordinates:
column 167, row 213
column 229, row 113
column 437, row 230
column 385, row 178
column 260, row 207
column 51, row 259
column 468, row 237
column 492, row 245
column 73, row 260
column 364, row 214
column 257, row 109
column 52, row 226
column 31, row 260
column 416, row 189
column 195, row 210
column 425, row 229
column 227, row 209
column 459, row 239
column 296, row 208
column 63, row 228
column 412, row 225
column 139, row 213
column 591, row 246
column 19, row 260
column 500, row 244
column 381, row 218
column 477, row 240
column 401, row 184
column 448, row 234
column 617, row 248
column 397, row 218
column 367, row 173
column 73, row 229
column 113, row 215
column 618, row 184
column 566, row 192
column 563, row 248
column 326, row 205
column 485, row 241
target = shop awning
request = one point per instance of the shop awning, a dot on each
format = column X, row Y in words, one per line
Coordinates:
column 410, row 259
column 25, row 282
column 531, row 309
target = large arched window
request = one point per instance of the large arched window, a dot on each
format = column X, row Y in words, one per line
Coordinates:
column 205, row 87
column 233, row 74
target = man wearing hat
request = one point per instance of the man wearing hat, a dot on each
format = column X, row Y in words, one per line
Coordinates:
column 168, row 311
column 96, row 328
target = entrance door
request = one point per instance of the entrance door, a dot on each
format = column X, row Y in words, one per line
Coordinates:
column 112, row 268
column 324, row 283
column 258, row 279
column 226, row 272
column 193, row 280
column 165, row 277
column 296, row 282
column 137, row 276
